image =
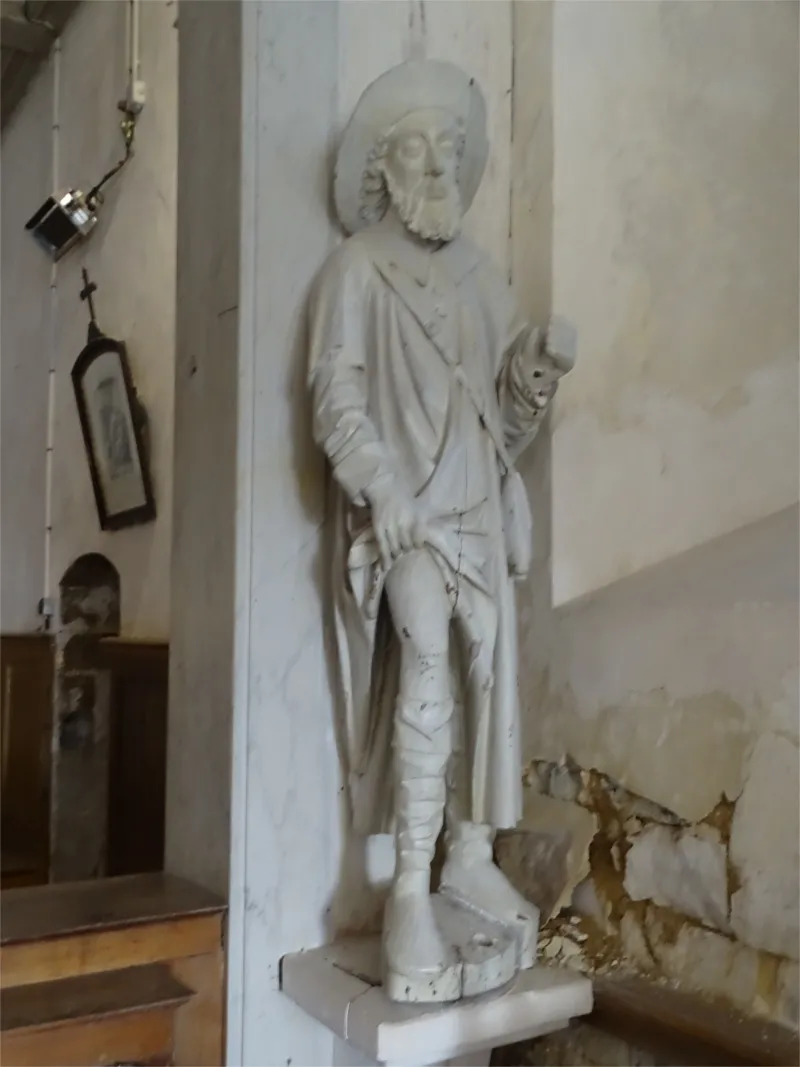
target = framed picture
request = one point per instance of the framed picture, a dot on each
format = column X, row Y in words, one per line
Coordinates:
column 112, row 433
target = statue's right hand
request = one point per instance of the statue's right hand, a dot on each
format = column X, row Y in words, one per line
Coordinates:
column 396, row 521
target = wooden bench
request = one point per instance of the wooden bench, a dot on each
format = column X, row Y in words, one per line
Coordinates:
column 112, row 970
column 111, row 1017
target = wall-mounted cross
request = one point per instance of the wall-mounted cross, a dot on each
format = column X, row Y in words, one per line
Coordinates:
column 86, row 294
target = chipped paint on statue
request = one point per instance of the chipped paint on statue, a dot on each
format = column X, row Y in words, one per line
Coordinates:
column 426, row 386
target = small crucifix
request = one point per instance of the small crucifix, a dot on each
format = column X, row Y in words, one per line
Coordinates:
column 86, row 294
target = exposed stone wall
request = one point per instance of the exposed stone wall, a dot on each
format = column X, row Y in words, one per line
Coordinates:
column 625, row 884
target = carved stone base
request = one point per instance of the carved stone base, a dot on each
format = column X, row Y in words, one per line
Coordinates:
column 340, row 986
column 486, row 955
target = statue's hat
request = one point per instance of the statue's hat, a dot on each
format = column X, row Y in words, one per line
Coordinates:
column 411, row 86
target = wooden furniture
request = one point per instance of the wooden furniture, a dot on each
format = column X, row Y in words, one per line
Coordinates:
column 26, row 688
column 137, row 715
column 124, row 969
column 139, row 672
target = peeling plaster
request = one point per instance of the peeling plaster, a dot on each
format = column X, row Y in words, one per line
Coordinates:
column 765, row 849
column 682, row 754
column 685, row 882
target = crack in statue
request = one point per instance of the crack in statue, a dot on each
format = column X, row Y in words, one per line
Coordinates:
column 426, row 385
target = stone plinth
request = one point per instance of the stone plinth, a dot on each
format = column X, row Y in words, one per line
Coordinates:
column 340, row 986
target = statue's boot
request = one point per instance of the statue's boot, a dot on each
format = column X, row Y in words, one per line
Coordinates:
column 419, row 965
column 471, row 878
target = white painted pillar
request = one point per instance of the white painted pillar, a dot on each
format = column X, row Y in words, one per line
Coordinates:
column 265, row 90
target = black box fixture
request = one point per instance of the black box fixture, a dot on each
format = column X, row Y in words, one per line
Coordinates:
column 61, row 221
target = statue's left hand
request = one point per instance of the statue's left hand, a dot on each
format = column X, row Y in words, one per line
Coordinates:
column 546, row 360
column 561, row 344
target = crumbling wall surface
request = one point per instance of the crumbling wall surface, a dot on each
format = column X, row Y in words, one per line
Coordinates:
column 669, row 719
column 660, row 896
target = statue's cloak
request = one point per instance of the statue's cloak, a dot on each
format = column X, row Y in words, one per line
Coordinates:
column 391, row 323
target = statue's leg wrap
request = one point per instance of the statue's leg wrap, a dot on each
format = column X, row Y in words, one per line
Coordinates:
column 422, row 733
column 419, row 964
column 422, row 744
column 469, row 874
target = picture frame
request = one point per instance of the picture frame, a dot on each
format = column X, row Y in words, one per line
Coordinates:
column 112, row 425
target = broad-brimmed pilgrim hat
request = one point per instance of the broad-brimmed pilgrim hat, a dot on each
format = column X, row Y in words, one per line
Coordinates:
column 411, row 86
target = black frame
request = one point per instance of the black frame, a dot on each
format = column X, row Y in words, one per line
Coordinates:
column 101, row 345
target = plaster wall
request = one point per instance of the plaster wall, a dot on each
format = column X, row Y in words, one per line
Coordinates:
column 131, row 257
column 681, row 683
column 675, row 251
column 26, row 330
column 655, row 184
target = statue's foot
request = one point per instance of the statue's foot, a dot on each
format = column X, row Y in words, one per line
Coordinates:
column 419, row 966
column 471, row 878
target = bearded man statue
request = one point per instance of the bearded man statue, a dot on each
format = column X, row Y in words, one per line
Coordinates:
column 426, row 386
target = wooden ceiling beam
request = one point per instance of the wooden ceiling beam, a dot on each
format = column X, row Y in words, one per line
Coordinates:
column 32, row 38
column 23, row 66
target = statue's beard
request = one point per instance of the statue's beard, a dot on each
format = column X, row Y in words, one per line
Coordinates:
column 432, row 220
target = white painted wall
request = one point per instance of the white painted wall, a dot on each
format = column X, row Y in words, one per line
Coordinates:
column 131, row 256
column 26, row 341
column 675, row 250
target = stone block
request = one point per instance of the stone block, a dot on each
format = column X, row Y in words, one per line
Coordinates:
column 634, row 942
column 787, row 1009
column 705, row 961
column 685, row 870
column 765, row 849
column 548, row 854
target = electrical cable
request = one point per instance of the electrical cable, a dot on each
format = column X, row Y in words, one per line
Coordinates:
column 128, row 126
column 130, row 106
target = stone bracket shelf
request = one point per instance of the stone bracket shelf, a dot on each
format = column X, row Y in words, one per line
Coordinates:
column 339, row 985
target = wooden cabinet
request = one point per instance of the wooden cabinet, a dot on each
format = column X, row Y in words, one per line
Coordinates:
column 26, row 680
column 115, row 970
column 137, row 675
column 138, row 754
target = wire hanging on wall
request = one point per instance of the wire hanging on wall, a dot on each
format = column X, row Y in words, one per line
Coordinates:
column 128, row 126
column 68, row 216
column 130, row 107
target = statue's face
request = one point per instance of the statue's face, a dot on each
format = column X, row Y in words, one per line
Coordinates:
column 420, row 168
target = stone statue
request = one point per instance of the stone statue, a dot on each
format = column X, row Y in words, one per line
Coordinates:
column 425, row 388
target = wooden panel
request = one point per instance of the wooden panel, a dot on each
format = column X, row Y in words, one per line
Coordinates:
column 199, row 1034
column 138, row 757
column 78, row 907
column 682, row 1028
column 139, row 1037
column 26, row 665
column 90, row 997
column 89, row 953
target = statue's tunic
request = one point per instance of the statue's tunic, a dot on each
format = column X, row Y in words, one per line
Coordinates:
column 406, row 346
